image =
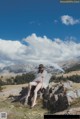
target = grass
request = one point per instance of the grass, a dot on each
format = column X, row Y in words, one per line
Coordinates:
column 76, row 103
column 18, row 111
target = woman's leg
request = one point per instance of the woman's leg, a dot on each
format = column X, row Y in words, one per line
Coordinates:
column 35, row 93
column 29, row 89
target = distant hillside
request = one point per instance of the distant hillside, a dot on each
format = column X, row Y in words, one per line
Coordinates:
column 18, row 79
column 69, row 74
column 26, row 68
column 73, row 68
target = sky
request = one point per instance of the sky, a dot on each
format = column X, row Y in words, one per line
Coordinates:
column 20, row 18
column 38, row 30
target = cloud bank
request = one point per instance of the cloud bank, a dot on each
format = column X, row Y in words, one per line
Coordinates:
column 39, row 50
column 69, row 20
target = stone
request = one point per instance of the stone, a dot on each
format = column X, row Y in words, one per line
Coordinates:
column 71, row 96
column 55, row 99
column 78, row 93
column 68, row 84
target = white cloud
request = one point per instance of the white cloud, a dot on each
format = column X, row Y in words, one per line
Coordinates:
column 69, row 20
column 53, row 51
column 11, row 51
column 39, row 50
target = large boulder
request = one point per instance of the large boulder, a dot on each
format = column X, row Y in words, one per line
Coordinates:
column 58, row 97
column 78, row 93
column 71, row 96
column 55, row 99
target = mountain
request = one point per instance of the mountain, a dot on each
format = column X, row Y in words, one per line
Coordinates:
column 70, row 63
column 52, row 68
column 25, row 68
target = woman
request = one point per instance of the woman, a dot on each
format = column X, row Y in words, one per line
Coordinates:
column 41, row 81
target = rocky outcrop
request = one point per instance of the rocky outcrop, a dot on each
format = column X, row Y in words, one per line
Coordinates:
column 58, row 97
column 55, row 99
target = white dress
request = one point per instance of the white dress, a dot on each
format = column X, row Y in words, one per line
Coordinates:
column 44, row 78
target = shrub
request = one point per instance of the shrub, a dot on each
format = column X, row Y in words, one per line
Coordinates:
column 25, row 78
column 1, row 88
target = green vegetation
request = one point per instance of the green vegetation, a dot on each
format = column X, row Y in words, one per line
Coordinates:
column 73, row 68
column 19, row 111
column 1, row 88
column 25, row 78
column 19, row 79
column 76, row 103
column 2, row 82
column 74, row 78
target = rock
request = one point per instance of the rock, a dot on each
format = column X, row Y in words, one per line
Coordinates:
column 74, row 111
column 78, row 93
column 58, row 104
column 68, row 84
column 71, row 95
column 55, row 99
column 60, row 96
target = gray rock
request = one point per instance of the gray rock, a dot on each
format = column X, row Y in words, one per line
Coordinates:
column 68, row 84
column 55, row 99
column 71, row 96
column 78, row 93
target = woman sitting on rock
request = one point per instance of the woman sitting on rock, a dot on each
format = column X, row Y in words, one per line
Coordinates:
column 41, row 81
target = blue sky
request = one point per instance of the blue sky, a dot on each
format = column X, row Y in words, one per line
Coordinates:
column 21, row 18
column 38, row 31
